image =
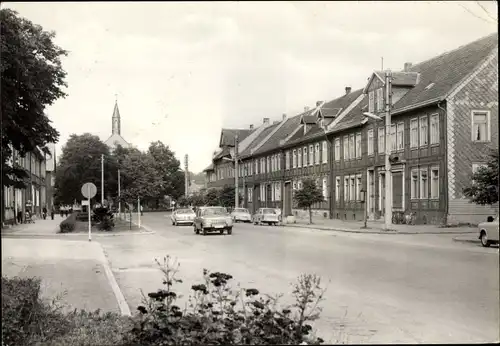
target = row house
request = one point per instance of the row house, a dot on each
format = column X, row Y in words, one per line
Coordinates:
column 444, row 121
column 33, row 196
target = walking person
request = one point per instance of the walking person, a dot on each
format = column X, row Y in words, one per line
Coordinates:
column 44, row 212
column 19, row 215
column 141, row 211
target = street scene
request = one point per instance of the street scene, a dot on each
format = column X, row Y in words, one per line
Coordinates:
column 167, row 186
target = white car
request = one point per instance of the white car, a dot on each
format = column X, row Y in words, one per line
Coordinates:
column 488, row 232
column 241, row 214
column 266, row 215
column 182, row 217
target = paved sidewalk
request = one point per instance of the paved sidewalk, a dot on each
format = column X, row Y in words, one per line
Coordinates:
column 40, row 227
column 377, row 227
column 76, row 269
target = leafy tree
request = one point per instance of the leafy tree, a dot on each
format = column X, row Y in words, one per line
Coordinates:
column 182, row 202
column 197, row 199
column 308, row 195
column 169, row 170
column 139, row 178
column 484, row 185
column 32, row 78
column 80, row 163
column 212, row 197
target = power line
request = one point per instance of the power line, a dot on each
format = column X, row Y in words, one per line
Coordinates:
column 475, row 15
column 486, row 11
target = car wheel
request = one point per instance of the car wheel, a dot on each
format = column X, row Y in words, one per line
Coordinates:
column 484, row 239
column 230, row 231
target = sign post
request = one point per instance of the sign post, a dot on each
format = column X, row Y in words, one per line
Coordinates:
column 139, row 212
column 89, row 190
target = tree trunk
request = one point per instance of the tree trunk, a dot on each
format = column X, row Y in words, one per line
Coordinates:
column 310, row 215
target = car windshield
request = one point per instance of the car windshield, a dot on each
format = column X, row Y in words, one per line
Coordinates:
column 241, row 210
column 184, row 211
column 214, row 211
column 268, row 211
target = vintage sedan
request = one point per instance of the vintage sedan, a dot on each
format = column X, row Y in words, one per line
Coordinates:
column 182, row 217
column 266, row 215
column 241, row 215
column 488, row 232
column 212, row 219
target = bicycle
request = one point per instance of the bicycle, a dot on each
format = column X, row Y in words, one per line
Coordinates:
column 397, row 217
column 411, row 219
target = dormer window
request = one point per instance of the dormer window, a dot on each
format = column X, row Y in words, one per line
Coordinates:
column 371, row 101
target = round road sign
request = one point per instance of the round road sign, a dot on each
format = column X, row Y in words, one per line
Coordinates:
column 89, row 190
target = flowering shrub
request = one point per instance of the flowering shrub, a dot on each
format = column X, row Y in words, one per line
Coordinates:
column 218, row 314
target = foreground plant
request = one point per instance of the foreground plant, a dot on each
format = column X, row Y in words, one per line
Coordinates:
column 217, row 314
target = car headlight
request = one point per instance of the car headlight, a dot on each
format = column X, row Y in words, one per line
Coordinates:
column 206, row 223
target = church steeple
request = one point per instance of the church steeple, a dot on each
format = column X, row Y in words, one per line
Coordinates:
column 116, row 129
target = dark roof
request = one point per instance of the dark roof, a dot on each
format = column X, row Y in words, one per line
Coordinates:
column 309, row 119
column 283, row 132
column 353, row 118
column 446, row 70
column 209, row 168
column 224, row 152
column 227, row 136
column 316, row 131
column 401, row 78
column 257, row 140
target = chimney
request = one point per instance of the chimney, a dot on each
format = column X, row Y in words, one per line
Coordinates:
column 318, row 103
column 306, row 108
column 284, row 116
column 347, row 90
column 265, row 121
column 407, row 66
column 251, row 127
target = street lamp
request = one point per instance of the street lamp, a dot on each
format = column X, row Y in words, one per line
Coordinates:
column 388, row 174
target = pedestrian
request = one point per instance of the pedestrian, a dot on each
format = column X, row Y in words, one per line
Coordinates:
column 44, row 211
column 19, row 216
column 141, row 211
column 52, row 213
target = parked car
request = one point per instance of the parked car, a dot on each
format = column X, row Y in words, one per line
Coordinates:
column 182, row 217
column 212, row 219
column 266, row 215
column 488, row 231
column 241, row 214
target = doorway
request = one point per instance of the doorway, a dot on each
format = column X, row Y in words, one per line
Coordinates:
column 381, row 197
column 371, row 194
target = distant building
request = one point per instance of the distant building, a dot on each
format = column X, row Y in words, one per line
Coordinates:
column 116, row 138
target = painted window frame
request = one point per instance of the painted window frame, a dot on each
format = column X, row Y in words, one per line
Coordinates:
column 337, row 149
column 359, row 186
column 337, row 189
column 424, row 188
column 414, row 183
column 311, row 155
column 371, row 141
column 434, row 182
column 371, row 101
column 392, row 138
column 352, row 146
column 294, row 158
column 325, row 187
column 400, row 136
column 352, row 187
column 346, row 148
column 434, row 131
column 423, row 135
column 324, row 150
column 380, row 99
column 358, row 140
column 316, row 154
column 381, row 140
column 414, row 133
column 487, row 127
column 299, row 157
column 304, row 156
column 287, row 160
column 346, row 188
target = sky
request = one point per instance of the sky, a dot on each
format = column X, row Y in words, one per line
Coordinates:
column 181, row 71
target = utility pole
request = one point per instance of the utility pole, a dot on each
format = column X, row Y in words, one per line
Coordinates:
column 186, row 176
column 388, row 173
column 244, row 188
column 102, row 180
column 119, row 197
column 236, row 173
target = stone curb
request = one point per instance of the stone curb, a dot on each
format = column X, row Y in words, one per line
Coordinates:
column 346, row 230
column 475, row 241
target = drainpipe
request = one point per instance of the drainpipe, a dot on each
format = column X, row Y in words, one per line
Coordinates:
column 445, row 127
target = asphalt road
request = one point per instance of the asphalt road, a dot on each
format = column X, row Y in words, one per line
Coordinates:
column 381, row 288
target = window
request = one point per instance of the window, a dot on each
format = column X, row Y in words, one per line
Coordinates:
column 359, row 187
column 380, row 99
column 325, row 187
column 317, row 183
column 400, row 133
column 414, row 184
column 370, row 142
column 316, row 154
column 337, row 149
column 435, row 129
column 273, row 163
column 424, row 184
column 337, row 189
column 256, row 167
column 480, row 126
column 294, row 185
column 325, row 151
column 273, row 191
column 435, row 182
column 278, row 162
column 278, row 191
column 262, row 165
column 304, row 157
column 287, row 159
column 249, row 194
column 294, row 158
column 392, row 139
column 268, row 164
column 414, row 133
column 352, row 148
column 358, row 145
column 371, row 100
column 299, row 185
column 346, row 147
column 311, row 155
column 346, row 188
column 423, row 131
column 299, row 157
column 352, row 191
column 381, row 140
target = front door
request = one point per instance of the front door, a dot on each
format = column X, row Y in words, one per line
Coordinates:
column 268, row 195
column 371, row 194
column 382, row 194
column 397, row 190
column 287, row 200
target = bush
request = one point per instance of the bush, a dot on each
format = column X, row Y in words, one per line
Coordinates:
column 216, row 314
column 68, row 225
column 107, row 224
